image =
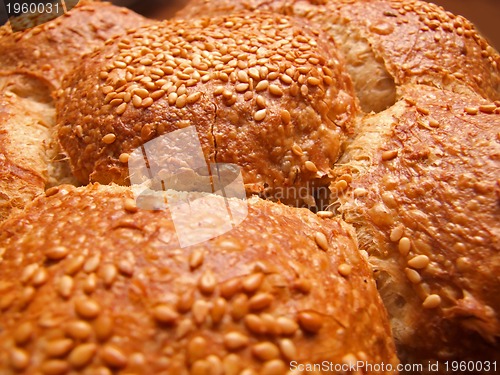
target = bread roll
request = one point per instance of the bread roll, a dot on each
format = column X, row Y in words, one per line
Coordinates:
column 90, row 283
column 26, row 117
column 389, row 43
column 420, row 184
column 52, row 49
column 261, row 91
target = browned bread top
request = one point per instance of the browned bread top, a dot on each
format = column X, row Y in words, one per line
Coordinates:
column 262, row 91
column 93, row 283
column 421, row 185
column 52, row 49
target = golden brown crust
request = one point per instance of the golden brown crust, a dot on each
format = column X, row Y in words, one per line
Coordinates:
column 420, row 42
column 90, row 282
column 210, row 8
column 420, row 184
column 387, row 43
column 262, row 92
column 52, row 49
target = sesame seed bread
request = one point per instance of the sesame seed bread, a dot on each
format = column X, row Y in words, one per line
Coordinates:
column 52, row 49
column 260, row 89
column 387, row 43
column 420, row 184
column 102, row 286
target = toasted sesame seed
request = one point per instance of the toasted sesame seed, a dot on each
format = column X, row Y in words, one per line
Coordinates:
column 404, row 246
column 120, row 110
column 181, row 101
column 92, row 263
column 433, row 123
column 207, row 283
column 52, row 191
column 218, row 310
column 126, row 267
column 123, row 158
column 230, row 287
column 243, row 76
column 413, row 276
column 19, row 359
column 313, row 81
column 325, row 214
column 200, row 311
column 431, row 301
column 262, row 85
column 340, row 185
column 397, row 233
column 345, row 269
column 197, row 348
column 109, row 273
column 235, row 341
column 65, row 286
column 253, row 282
column 87, row 308
column 285, row 117
column 55, row 367
column 275, row 90
column 389, row 155
column 471, row 110
column 147, row 102
column 487, row 108
column 172, row 98
column 321, row 240
column 82, row 355
column 260, row 301
column 113, row 356
column 423, row 111
column 260, row 115
column 57, row 252
column 265, row 351
column 286, row 79
column 193, row 98
column 310, row 321
column 239, row 307
column 28, row 272
column 157, row 94
column 109, row 138
column 310, row 166
column 196, row 259
column 274, row 367
column 23, row 333
column 297, row 150
column 79, row 330
column 58, row 347
column 261, row 101
column 419, row 262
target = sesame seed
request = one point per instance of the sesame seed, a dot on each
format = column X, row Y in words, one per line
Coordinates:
column 137, row 101
column 193, row 98
column 310, row 321
column 389, row 155
column 181, row 101
column 19, row 359
column 58, row 347
column 260, row 301
column 123, row 158
column 82, row 355
column 310, row 166
column 345, row 269
column 121, row 109
column 157, row 94
column 79, row 330
column 313, row 81
column 397, row 233
column 423, row 111
column 261, row 101
column 147, row 102
column 487, row 108
column 275, row 90
column 419, row 262
column 52, row 191
column 431, row 301
column 297, row 150
column 113, row 356
column 235, row 340
column 65, row 286
column 471, row 110
column 109, row 138
column 404, row 246
column 262, row 85
column 87, row 308
column 321, row 240
column 265, row 351
column 413, row 276
column 260, row 115
column 57, row 252
column 325, row 214
column 286, row 79
column 253, row 282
